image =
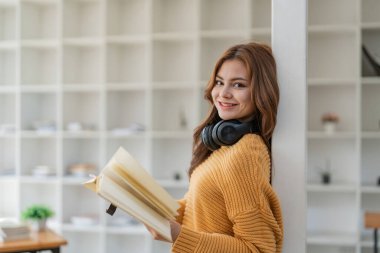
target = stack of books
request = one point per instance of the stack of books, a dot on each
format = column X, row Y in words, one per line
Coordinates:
column 12, row 231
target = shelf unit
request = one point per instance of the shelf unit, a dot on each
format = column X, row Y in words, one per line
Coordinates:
column 79, row 78
column 342, row 82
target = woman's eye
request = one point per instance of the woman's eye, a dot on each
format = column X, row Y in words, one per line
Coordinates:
column 218, row 83
column 239, row 85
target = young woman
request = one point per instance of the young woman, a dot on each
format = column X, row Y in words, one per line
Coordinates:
column 230, row 206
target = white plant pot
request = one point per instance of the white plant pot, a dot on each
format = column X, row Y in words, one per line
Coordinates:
column 38, row 225
column 330, row 127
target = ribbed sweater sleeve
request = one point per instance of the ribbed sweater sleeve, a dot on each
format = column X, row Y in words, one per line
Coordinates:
column 251, row 205
column 181, row 210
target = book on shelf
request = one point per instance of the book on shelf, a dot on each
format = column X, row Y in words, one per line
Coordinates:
column 128, row 186
column 12, row 231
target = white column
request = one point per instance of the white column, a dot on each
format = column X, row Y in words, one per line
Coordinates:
column 289, row 146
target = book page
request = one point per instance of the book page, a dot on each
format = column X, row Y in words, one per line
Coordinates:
column 123, row 199
column 142, row 180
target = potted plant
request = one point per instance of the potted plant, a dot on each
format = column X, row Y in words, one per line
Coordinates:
column 329, row 121
column 37, row 215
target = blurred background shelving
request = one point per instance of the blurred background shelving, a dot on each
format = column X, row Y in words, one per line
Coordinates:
column 79, row 78
column 342, row 82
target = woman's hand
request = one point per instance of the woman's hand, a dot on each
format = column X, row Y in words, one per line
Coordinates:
column 175, row 228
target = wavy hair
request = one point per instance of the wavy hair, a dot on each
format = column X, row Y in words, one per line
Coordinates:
column 261, row 66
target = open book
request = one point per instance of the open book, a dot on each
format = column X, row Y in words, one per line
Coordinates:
column 125, row 184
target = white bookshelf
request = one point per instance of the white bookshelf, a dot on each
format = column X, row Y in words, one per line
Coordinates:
column 99, row 67
column 338, row 82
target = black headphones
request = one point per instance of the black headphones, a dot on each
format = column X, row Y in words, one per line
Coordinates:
column 226, row 132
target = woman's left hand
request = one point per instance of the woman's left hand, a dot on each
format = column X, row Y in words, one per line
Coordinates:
column 175, row 228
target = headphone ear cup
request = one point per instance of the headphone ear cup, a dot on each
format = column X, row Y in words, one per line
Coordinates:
column 226, row 133
column 207, row 139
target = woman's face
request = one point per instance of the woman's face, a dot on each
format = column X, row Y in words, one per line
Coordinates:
column 232, row 92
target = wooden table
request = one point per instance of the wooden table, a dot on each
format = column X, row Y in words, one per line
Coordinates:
column 372, row 220
column 46, row 240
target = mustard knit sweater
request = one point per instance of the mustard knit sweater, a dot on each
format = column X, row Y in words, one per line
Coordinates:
column 230, row 206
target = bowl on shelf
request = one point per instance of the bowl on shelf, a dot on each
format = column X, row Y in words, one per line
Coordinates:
column 81, row 169
column 42, row 171
column 83, row 220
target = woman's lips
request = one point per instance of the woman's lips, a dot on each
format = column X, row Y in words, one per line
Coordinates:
column 225, row 105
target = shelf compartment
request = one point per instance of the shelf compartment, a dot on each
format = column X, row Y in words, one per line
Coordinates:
column 211, row 50
column 7, row 113
column 136, row 147
column 7, row 157
column 80, row 202
column 33, row 159
column 261, row 13
column 370, row 172
column 134, row 243
column 9, row 204
column 174, row 16
column 129, row 17
column 38, row 112
column 81, row 151
column 39, row 20
column 322, row 221
column 126, row 112
column 81, row 19
column 339, row 12
column 343, row 164
column 88, row 241
column 7, row 22
column 370, row 39
column 39, row 66
column 332, row 56
column 173, row 110
column 127, row 62
column 323, row 99
column 7, row 67
column 370, row 112
column 173, row 60
column 82, row 65
column 216, row 15
column 370, row 11
column 81, row 111
column 42, row 194
column 165, row 164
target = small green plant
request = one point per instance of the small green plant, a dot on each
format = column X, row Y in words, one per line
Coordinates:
column 37, row 212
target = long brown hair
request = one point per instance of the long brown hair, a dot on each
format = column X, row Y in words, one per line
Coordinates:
column 261, row 66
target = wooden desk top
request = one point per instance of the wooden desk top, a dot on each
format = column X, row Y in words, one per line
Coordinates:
column 39, row 241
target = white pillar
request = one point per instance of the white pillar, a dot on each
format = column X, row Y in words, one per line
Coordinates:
column 289, row 146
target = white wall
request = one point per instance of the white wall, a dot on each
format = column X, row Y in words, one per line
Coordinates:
column 289, row 42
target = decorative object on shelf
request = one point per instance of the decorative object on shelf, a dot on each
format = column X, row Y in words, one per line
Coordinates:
column 131, row 129
column 44, row 126
column 37, row 216
column 7, row 128
column 177, row 176
column 329, row 121
column 82, row 169
column 74, row 126
column 42, row 171
column 84, row 220
column 326, row 173
column 374, row 62
column 182, row 118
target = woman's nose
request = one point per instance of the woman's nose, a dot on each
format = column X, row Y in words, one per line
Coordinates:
column 225, row 92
